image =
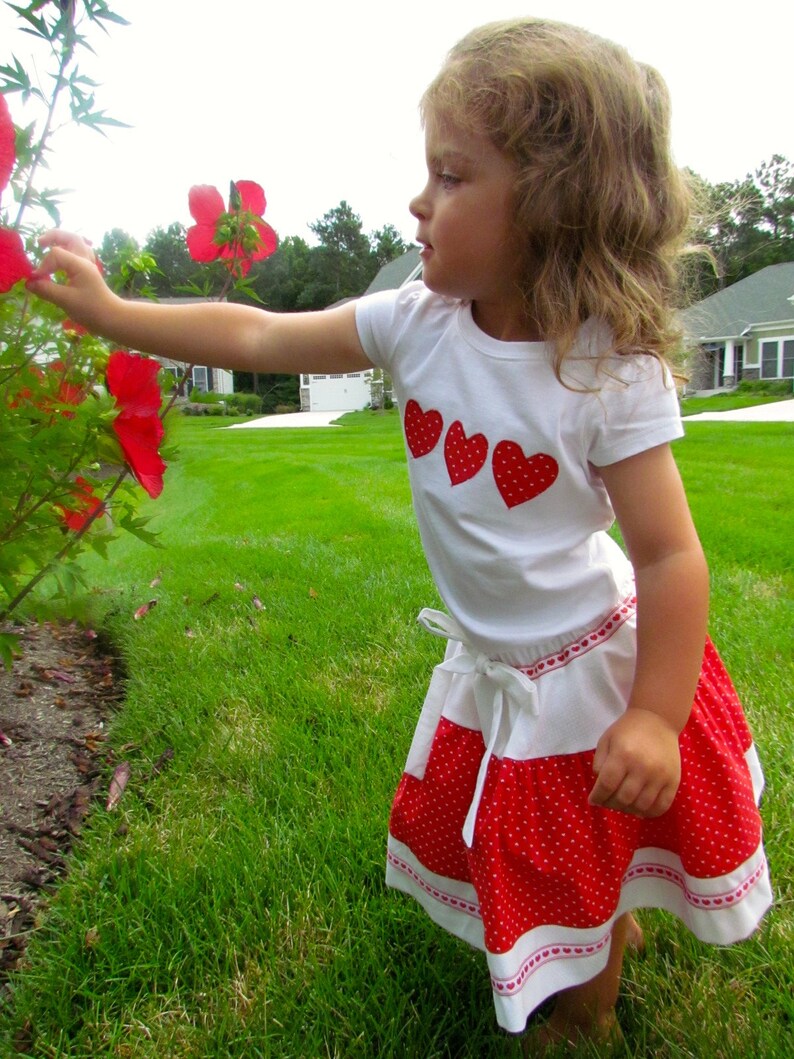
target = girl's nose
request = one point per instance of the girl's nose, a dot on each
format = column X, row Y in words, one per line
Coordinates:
column 418, row 206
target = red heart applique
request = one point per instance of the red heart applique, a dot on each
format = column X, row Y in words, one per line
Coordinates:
column 422, row 429
column 520, row 478
column 464, row 456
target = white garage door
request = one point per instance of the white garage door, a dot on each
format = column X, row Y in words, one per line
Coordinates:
column 338, row 393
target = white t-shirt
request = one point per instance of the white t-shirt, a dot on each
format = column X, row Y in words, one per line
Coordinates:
column 503, row 465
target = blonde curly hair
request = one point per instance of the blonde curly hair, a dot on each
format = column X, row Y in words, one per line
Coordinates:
column 601, row 205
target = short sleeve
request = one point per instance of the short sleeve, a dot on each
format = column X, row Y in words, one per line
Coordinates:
column 381, row 319
column 636, row 408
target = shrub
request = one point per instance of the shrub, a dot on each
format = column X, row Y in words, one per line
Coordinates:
column 244, row 403
column 208, row 397
column 768, row 387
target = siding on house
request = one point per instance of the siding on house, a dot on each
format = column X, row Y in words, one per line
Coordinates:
column 745, row 331
column 201, row 378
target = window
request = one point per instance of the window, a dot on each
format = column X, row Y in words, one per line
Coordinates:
column 336, row 376
column 200, row 380
column 316, row 377
column 777, row 358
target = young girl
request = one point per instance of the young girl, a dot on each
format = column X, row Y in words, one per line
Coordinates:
column 578, row 755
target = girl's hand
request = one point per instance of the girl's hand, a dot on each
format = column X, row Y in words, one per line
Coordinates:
column 84, row 296
column 638, row 765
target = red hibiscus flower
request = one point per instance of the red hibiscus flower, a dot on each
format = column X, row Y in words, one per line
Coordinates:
column 133, row 382
column 14, row 264
column 68, row 392
column 237, row 235
column 86, row 503
column 7, row 144
column 73, row 329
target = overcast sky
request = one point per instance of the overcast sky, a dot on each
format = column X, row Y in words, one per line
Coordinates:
column 317, row 101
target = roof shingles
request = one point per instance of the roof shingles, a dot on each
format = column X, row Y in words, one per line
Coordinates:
column 765, row 297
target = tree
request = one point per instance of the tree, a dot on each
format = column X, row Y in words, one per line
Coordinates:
column 279, row 281
column 117, row 245
column 387, row 244
column 128, row 268
column 275, row 390
column 176, row 267
column 746, row 224
column 296, row 277
column 343, row 264
column 775, row 183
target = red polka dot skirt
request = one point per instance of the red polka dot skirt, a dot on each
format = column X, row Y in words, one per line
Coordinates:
column 541, row 875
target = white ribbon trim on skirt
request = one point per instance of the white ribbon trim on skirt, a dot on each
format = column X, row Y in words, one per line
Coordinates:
column 494, row 683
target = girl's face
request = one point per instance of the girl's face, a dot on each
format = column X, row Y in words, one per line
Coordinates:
column 466, row 229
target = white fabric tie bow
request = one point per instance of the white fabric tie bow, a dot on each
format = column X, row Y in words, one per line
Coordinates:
column 494, row 682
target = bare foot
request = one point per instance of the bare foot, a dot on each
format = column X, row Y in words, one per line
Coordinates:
column 635, row 939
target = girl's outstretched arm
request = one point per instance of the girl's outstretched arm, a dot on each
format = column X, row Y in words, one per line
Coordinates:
column 217, row 334
column 637, row 759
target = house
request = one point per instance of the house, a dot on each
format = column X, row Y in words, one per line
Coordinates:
column 201, row 378
column 349, row 392
column 745, row 331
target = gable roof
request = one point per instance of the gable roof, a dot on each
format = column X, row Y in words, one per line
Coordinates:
column 766, row 297
column 395, row 273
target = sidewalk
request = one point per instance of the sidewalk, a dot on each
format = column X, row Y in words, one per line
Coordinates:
column 291, row 419
column 775, row 412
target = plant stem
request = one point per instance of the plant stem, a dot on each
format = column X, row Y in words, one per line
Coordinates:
column 66, row 57
column 73, row 539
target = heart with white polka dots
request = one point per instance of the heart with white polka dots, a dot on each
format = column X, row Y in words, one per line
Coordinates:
column 520, row 478
column 422, row 429
column 464, row 456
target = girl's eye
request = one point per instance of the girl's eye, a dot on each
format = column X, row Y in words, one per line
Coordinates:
column 447, row 180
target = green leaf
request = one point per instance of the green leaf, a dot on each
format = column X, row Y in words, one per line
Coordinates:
column 98, row 11
column 98, row 543
column 9, row 646
column 136, row 526
column 81, row 79
column 40, row 28
column 16, row 78
column 98, row 119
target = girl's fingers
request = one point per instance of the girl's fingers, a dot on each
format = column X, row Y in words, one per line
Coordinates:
column 83, row 282
column 59, row 259
column 644, row 799
column 75, row 244
column 604, row 789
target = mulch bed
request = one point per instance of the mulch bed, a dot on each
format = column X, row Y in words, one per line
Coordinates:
column 55, row 704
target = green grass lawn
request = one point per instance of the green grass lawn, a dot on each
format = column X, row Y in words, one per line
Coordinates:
column 237, row 895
